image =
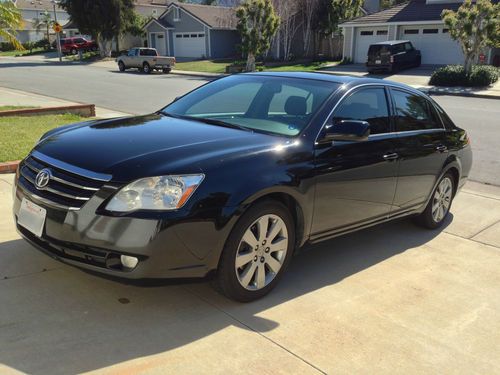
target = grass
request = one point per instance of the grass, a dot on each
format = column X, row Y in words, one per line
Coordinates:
column 35, row 51
column 13, row 107
column 209, row 66
column 18, row 135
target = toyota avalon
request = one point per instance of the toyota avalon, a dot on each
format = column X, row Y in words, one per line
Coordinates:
column 232, row 178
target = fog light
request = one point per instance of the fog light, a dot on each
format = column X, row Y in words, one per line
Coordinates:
column 129, row 262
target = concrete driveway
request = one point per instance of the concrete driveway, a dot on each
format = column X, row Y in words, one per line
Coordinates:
column 415, row 76
column 394, row 298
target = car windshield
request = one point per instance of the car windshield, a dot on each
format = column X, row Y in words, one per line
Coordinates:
column 277, row 105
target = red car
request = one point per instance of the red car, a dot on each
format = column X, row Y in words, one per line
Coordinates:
column 73, row 45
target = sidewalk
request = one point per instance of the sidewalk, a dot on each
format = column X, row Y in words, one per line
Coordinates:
column 21, row 98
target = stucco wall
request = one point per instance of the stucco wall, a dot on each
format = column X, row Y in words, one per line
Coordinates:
column 223, row 43
column 349, row 33
column 187, row 23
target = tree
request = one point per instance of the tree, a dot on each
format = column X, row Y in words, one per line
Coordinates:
column 10, row 21
column 257, row 24
column 44, row 22
column 475, row 26
column 103, row 19
column 288, row 12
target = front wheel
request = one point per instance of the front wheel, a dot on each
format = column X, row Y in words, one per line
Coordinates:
column 121, row 66
column 439, row 205
column 74, row 51
column 257, row 252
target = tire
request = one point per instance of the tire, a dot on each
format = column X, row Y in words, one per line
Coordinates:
column 167, row 70
column 439, row 205
column 121, row 66
column 146, row 68
column 74, row 51
column 258, row 259
column 418, row 62
column 94, row 48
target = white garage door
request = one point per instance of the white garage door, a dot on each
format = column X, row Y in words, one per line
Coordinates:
column 435, row 44
column 189, row 45
column 365, row 37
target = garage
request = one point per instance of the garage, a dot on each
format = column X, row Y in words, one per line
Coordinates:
column 434, row 43
column 190, row 45
column 364, row 38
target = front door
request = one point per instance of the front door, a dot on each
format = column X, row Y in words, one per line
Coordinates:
column 422, row 148
column 356, row 181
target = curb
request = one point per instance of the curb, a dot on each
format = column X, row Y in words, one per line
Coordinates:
column 464, row 94
column 84, row 110
column 197, row 74
column 9, row 167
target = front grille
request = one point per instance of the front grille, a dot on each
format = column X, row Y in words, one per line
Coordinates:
column 65, row 190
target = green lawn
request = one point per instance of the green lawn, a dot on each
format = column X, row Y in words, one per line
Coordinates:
column 18, row 135
column 35, row 51
column 209, row 66
column 12, row 107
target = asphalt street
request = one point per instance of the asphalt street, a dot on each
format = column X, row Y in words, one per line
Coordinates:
column 136, row 93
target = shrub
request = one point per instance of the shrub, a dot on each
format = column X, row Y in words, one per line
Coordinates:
column 454, row 75
column 6, row 46
column 42, row 43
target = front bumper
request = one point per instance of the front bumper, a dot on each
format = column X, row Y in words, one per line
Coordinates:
column 174, row 245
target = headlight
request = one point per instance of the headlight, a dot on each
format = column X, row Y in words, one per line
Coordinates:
column 155, row 193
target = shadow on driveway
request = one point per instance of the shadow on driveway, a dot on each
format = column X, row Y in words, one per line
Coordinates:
column 65, row 321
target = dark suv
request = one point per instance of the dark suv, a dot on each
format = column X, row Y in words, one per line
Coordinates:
column 392, row 56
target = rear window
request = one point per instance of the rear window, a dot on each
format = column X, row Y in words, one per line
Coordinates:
column 378, row 49
column 148, row 52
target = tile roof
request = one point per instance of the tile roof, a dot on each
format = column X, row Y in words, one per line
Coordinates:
column 217, row 17
column 35, row 4
column 413, row 11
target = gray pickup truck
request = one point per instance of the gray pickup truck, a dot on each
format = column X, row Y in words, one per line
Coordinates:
column 146, row 60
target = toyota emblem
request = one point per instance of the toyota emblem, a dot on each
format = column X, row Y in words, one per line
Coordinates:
column 42, row 178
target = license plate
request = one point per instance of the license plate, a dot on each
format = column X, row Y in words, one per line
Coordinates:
column 32, row 217
column 378, row 61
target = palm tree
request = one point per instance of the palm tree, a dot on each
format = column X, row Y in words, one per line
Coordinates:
column 44, row 22
column 10, row 21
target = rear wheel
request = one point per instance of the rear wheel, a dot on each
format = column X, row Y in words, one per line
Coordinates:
column 257, row 252
column 167, row 70
column 74, row 51
column 439, row 205
column 121, row 66
column 418, row 62
column 146, row 68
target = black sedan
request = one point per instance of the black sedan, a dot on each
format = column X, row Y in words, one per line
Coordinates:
column 234, row 177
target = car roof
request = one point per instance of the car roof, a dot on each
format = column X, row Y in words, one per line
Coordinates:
column 391, row 42
column 352, row 81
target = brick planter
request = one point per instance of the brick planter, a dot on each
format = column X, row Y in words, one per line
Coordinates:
column 84, row 110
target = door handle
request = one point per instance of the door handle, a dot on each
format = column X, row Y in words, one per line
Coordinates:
column 441, row 148
column 391, row 156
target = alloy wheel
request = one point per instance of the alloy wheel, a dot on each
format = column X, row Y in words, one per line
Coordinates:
column 261, row 252
column 442, row 199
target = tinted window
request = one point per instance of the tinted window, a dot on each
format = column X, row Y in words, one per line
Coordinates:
column 413, row 112
column 79, row 40
column 378, row 48
column 148, row 52
column 397, row 48
column 408, row 46
column 367, row 105
column 277, row 105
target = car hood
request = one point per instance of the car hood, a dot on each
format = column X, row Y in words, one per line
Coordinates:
column 134, row 147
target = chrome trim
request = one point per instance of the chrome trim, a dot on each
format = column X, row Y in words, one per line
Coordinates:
column 71, row 168
column 57, row 192
column 36, row 170
column 46, row 201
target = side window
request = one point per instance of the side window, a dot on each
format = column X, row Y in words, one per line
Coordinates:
column 366, row 105
column 413, row 112
column 408, row 47
column 131, row 52
column 448, row 124
column 398, row 48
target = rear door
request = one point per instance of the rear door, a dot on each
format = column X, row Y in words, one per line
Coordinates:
column 421, row 146
column 356, row 181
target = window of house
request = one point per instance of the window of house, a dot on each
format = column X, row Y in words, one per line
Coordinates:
column 366, row 33
column 430, row 31
column 177, row 14
column 201, row 35
column 414, row 112
column 154, row 12
column 381, row 32
column 411, row 31
column 366, row 105
column 445, row 31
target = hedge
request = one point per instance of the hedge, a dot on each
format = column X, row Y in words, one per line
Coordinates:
column 454, row 75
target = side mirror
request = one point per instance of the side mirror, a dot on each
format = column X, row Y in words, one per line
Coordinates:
column 348, row 130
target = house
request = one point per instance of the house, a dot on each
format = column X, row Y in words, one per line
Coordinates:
column 417, row 20
column 35, row 9
column 196, row 31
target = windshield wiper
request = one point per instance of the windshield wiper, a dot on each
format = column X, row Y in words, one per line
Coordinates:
column 209, row 121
